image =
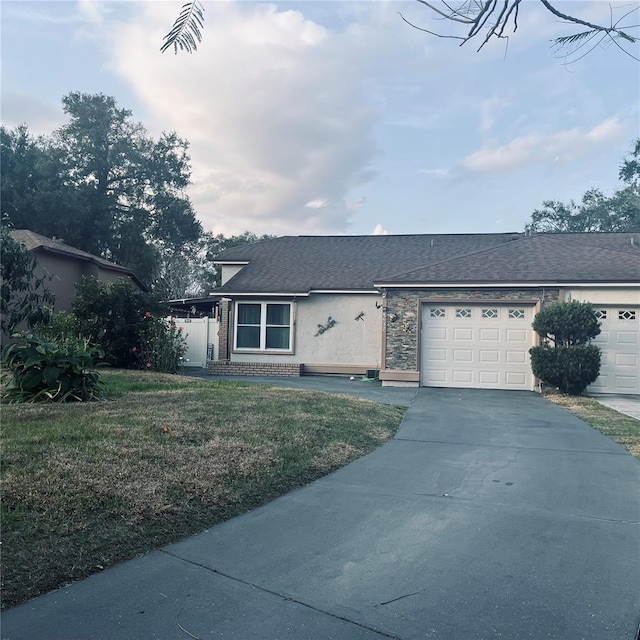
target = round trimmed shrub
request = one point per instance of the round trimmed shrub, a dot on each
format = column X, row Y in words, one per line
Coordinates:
column 571, row 369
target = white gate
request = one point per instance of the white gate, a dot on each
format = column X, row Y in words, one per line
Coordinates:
column 201, row 335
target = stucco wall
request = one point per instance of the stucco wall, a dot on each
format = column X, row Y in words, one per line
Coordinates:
column 66, row 272
column 403, row 313
column 349, row 342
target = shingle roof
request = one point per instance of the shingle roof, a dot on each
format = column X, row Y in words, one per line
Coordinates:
column 298, row 264
column 544, row 258
column 34, row 241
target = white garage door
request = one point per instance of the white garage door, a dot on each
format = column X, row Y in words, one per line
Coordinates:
column 619, row 340
column 483, row 346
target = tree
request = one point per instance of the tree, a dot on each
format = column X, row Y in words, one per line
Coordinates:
column 32, row 185
column 480, row 19
column 108, row 187
column 217, row 244
column 484, row 20
column 566, row 359
column 23, row 293
column 595, row 211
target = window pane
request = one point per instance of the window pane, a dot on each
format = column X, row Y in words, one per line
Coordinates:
column 249, row 314
column 277, row 337
column 278, row 314
column 248, row 338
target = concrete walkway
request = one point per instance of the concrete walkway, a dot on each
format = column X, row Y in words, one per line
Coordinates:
column 491, row 515
column 629, row 405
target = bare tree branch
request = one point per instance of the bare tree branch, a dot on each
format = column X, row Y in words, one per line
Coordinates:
column 488, row 19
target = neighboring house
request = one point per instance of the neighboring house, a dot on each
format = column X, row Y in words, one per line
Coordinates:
column 430, row 310
column 66, row 265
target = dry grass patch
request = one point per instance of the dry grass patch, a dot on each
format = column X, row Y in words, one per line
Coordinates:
column 620, row 428
column 89, row 485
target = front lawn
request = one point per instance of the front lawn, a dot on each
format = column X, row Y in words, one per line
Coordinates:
column 88, row 485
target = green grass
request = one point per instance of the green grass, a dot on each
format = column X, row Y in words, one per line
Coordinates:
column 620, row 428
column 88, row 485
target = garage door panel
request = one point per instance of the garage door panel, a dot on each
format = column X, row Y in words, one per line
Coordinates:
column 462, row 376
column 626, row 337
column 437, row 333
column 436, row 377
column 484, row 347
column 619, row 342
column 516, row 335
column 515, row 378
column 516, row 357
column 489, row 377
column 489, row 356
column 626, row 360
column 626, row 383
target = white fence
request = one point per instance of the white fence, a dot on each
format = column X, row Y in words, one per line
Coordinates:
column 202, row 340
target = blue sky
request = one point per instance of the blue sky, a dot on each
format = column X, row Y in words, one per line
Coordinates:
column 337, row 117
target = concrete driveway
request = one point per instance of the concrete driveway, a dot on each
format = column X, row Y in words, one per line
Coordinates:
column 491, row 515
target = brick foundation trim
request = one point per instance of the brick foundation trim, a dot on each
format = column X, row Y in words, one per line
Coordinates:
column 229, row 368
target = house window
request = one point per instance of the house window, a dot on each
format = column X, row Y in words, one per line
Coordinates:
column 490, row 313
column 626, row 314
column 437, row 313
column 601, row 314
column 263, row 326
column 463, row 313
column 516, row 314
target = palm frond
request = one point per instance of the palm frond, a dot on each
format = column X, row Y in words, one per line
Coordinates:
column 186, row 29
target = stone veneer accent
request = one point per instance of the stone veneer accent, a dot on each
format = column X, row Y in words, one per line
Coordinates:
column 401, row 348
column 229, row 368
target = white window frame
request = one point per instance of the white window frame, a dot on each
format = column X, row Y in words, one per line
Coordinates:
column 263, row 327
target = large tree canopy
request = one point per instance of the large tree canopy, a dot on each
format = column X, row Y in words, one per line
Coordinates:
column 101, row 183
column 596, row 211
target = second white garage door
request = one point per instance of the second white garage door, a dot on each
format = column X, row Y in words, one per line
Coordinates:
column 619, row 341
column 484, row 346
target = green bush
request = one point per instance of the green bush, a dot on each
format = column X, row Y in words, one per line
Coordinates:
column 114, row 316
column 36, row 370
column 566, row 360
column 163, row 345
column 23, row 293
column 570, row 369
column 567, row 323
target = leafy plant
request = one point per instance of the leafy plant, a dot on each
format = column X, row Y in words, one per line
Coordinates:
column 113, row 315
column 23, row 294
column 566, row 359
column 567, row 324
column 36, row 370
column 163, row 345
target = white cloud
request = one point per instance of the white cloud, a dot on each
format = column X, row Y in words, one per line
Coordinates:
column 379, row 230
column 273, row 105
column 440, row 173
column 317, row 204
column 354, row 205
column 534, row 148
